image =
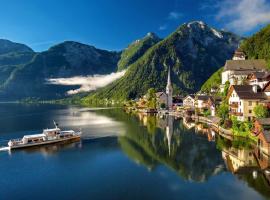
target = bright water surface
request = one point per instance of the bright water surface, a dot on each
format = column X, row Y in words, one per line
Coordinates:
column 123, row 156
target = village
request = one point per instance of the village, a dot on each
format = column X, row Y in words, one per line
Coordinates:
column 239, row 107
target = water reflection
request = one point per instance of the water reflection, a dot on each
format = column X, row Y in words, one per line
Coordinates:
column 164, row 140
column 195, row 154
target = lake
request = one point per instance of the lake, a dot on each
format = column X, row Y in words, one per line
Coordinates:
column 123, row 156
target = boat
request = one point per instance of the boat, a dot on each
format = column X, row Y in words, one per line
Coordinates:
column 48, row 136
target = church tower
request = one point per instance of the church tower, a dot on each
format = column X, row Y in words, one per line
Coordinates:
column 169, row 91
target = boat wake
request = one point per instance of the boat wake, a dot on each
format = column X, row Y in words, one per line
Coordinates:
column 4, row 148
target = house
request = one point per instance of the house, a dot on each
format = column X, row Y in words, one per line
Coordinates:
column 258, row 78
column 189, row 101
column 201, row 101
column 262, row 131
column 242, row 99
column 212, row 103
column 161, row 98
column 237, row 70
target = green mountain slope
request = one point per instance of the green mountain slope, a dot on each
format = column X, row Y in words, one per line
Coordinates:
column 64, row 60
column 213, row 82
column 136, row 50
column 193, row 52
column 258, row 46
column 12, row 56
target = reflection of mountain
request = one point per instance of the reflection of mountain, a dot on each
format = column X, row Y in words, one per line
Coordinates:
column 152, row 141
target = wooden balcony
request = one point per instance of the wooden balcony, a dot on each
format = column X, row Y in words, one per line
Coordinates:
column 236, row 113
column 234, row 105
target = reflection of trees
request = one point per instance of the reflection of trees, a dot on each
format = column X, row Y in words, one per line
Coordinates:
column 190, row 155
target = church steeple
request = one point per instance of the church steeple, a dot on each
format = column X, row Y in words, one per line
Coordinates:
column 169, row 90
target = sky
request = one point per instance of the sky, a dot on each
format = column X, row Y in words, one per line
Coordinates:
column 113, row 24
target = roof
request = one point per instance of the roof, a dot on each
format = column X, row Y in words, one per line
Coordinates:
column 266, row 135
column 34, row 136
column 246, row 92
column 264, row 121
column 158, row 94
column 259, row 75
column 258, row 64
column 203, row 97
column 266, row 88
column 190, row 95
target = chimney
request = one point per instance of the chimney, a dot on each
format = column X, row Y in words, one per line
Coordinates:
column 255, row 88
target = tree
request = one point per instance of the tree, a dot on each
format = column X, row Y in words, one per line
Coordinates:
column 226, row 88
column 223, row 111
column 162, row 105
column 151, row 98
column 260, row 111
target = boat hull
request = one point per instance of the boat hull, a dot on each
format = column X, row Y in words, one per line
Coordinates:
column 73, row 138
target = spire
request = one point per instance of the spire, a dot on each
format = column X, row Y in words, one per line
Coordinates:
column 169, row 77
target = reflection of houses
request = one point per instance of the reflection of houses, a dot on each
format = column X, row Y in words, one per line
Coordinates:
column 262, row 130
column 188, row 122
column 237, row 69
column 238, row 159
column 243, row 99
column 189, row 101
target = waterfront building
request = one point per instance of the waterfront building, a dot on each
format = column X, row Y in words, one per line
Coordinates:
column 262, row 131
column 189, row 101
column 242, row 100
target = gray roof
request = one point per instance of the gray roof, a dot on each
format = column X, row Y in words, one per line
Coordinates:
column 246, row 92
column 266, row 135
column 258, row 64
column 264, row 121
column 203, row 97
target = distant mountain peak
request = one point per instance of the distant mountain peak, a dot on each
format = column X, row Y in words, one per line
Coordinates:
column 152, row 35
column 7, row 46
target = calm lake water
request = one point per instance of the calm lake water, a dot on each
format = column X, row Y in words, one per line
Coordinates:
column 123, row 156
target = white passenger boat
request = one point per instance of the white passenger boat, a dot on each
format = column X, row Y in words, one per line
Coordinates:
column 48, row 136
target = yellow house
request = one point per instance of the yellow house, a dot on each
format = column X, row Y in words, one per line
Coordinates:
column 243, row 99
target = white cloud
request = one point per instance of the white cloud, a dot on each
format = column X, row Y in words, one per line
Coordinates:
column 174, row 15
column 163, row 27
column 243, row 15
column 87, row 83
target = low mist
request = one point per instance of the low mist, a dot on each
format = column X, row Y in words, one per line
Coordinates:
column 87, row 83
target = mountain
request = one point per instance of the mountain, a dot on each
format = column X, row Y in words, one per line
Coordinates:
column 67, row 59
column 258, row 45
column 136, row 49
column 12, row 56
column 214, row 81
column 193, row 52
column 7, row 46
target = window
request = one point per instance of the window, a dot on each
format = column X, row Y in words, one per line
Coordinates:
column 250, row 103
column 249, row 111
column 257, row 103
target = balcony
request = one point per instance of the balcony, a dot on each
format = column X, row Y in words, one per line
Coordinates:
column 234, row 105
column 236, row 113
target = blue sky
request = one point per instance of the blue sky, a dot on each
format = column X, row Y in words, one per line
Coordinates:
column 113, row 24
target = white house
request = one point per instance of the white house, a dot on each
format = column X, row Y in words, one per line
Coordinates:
column 189, row 101
column 237, row 70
